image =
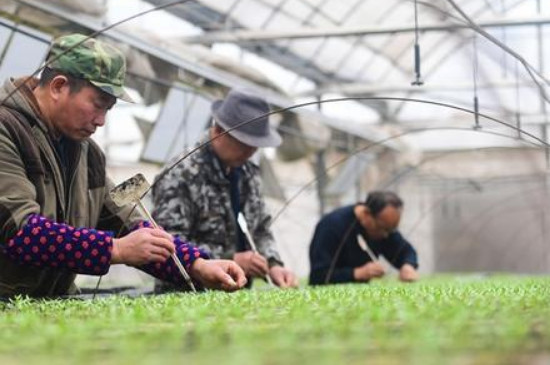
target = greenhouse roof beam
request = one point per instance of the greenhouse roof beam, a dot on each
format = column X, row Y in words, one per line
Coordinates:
column 255, row 35
column 370, row 89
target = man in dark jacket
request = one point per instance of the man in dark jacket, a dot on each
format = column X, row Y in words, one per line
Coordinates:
column 56, row 215
column 347, row 242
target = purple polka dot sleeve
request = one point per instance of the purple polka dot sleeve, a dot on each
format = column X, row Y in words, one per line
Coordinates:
column 44, row 243
column 168, row 270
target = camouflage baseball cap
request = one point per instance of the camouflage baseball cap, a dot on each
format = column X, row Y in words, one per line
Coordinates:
column 100, row 63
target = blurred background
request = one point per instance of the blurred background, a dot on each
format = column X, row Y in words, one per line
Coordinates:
column 443, row 101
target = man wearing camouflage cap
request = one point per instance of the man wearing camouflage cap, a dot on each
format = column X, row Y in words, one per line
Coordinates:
column 56, row 216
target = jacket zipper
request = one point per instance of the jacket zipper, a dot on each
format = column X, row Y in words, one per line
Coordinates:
column 55, row 167
column 68, row 199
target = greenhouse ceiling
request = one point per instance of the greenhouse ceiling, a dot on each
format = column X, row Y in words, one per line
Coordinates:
column 406, row 63
column 494, row 50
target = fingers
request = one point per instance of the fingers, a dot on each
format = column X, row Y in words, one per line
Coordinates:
column 283, row 284
column 144, row 245
column 161, row 239
column 279, row 278
column 160, row 252
column 227, row 283
column 377, row 269
column 243, row 259
column 373, row 270
column 157, row 246
column 283, row 277
column 258, row 265
column 219, row 274
column 252, row 263
column 236, row 273
column 291, row 280
column 155, row 258
column 408, row 273
column 234, row 278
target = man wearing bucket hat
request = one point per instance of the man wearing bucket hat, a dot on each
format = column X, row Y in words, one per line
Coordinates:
column 201, row 198
column 56, row 216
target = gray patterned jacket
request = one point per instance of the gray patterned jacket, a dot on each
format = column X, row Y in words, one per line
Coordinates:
column 193, row 200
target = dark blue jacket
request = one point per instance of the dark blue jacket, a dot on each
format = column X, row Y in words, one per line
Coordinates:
column 337, row 231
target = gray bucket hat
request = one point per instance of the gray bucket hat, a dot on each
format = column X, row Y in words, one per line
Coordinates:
column 239, row 107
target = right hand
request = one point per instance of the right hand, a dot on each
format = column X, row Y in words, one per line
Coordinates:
column 368, row 271
column 143, row 246
column 253, row 264
column 218, row 274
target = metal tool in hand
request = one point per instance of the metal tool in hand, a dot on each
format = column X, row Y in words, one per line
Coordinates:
column 244, row 228
column 131, row 191
column 363, row 244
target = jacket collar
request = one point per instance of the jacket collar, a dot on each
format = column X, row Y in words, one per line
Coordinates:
column 31, row 107
column 215, row 169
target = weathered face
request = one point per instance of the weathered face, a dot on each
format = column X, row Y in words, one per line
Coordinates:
column 78, row 115
column 231, row 151
column 380, row 226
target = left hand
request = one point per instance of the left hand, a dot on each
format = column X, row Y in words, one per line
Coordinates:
column 253, row 264
column 218, row 274
column 282, row 277
column 408, row 273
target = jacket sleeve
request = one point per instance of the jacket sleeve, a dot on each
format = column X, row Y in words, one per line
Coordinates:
column 398, row 251
column 168, row 271
column 261, row 222
column 19, row 197
column 42, row 242
column 323, row 250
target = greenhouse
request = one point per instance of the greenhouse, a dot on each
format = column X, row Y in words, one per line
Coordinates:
column 397, row 150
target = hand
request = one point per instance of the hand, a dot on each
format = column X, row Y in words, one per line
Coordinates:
column 368, row 271
column 142, row 246
column 408, row 273
column 253, row 264
column 282, row 277
column 218, row 274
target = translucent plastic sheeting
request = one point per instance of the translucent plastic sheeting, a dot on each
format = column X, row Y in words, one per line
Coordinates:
column 23, row 42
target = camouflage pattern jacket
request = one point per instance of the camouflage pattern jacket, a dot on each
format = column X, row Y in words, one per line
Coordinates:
column 193, row 200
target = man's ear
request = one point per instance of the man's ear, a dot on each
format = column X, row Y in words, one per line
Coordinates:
column 362, row 211
column 367, row 209
column 216, row 130
column 58, row 86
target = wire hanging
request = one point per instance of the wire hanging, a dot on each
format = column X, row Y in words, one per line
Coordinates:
column 475, row 73
column 418, row 78
column 518, row 104
column 504, row 35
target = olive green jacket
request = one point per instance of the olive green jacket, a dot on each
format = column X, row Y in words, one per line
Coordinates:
column 31, row 181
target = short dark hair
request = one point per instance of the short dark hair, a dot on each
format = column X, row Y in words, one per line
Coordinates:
column 75, row 83
column 377, row 200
